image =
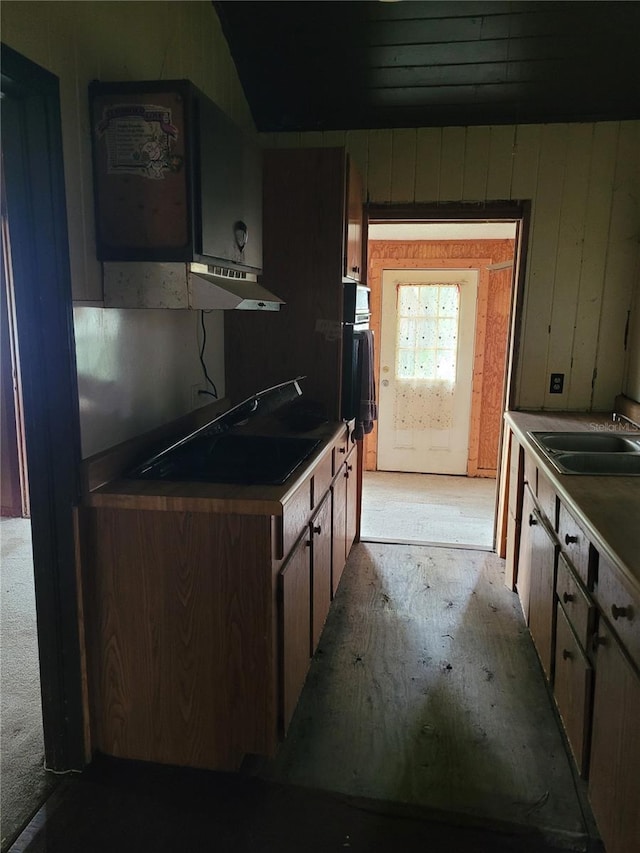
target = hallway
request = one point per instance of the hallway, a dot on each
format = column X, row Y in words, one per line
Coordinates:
column 428, row 509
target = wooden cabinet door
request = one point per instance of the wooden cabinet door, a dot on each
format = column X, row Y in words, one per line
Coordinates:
column 541, row 592
column 572, row 689
column 523, row 574
column 353, row 223
column 614, row 777
column 321, row 547
column 351, row 498
column 339, row 527
column 295, row 622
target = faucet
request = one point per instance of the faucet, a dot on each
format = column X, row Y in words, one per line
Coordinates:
column 618, row 417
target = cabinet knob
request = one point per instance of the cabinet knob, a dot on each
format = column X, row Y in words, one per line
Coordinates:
column 349, row 467
column 567, row 597
column 569, row 540
column 355, row 269
column 532, row 520
column 621, row 612
column 342, row 450
column 597, row 641
column 566, row 654
column 317, row 528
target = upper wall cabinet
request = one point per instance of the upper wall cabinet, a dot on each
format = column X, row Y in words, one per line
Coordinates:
column 354, row 223
column 175, row 178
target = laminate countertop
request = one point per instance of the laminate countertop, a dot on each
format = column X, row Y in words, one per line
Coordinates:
column 608, row 507
column 119, row 492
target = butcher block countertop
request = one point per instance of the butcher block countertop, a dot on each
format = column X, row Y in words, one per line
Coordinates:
column 607, row 507
column 105, row 485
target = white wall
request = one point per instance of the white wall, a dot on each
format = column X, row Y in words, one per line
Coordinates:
column 135, row 368
column 584, row 247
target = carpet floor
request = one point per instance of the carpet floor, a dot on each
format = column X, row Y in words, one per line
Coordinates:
column 24, row 782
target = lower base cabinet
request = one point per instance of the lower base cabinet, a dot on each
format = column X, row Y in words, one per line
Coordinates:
column 572, row 685
column 295, row 627
column 614, row 772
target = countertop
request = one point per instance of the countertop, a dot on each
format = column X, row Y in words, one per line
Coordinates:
column 608, row 507
column 123, row 493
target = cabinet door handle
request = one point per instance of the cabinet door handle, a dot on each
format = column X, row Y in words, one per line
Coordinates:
column 532, row 520
column 342, row 450
column 566, row 654
column 349, row 467
column 567, row 597
column 621, row 612
column 317, row 529
column 597, row 641
column 569, row 540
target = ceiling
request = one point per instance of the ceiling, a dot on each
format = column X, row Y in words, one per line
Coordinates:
column 345, row 65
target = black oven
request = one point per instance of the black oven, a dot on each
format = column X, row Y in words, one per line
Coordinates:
column 356, row 317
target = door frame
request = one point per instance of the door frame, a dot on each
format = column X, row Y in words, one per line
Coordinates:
column 35, row 196
column 489, row 211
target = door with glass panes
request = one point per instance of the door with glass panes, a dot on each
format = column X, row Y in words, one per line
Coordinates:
column 426, row 370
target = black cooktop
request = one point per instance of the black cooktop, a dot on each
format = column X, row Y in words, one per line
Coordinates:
column 229, row 458
column 218, row 453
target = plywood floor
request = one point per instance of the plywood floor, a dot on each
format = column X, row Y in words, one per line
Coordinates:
column 426, row 691
column 428, row 509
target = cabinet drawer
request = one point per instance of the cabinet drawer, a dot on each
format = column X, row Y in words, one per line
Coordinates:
column 620, row 607
column 576, row 604
column 574, row 543
column 340, row 450
column 572, row 690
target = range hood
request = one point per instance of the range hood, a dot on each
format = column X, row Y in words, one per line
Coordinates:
column 230, row 288
column 144, row 284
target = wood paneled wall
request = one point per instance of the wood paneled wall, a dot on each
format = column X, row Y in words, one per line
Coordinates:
column 492, row 328
column 583, row 181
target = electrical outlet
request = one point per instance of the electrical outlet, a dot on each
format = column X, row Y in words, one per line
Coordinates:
column 196, row 397
column 556, row 384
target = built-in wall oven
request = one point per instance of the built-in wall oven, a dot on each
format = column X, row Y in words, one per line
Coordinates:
column 356, row 317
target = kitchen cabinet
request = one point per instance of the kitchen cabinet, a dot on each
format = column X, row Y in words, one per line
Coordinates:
column 344, row 513
column 295, row 585
column 175, row 179
column 572, row 687
column 542, row 557
column 596, row 646
column 353, row 254
column 310, row 240
column 614, row 780
column 515, row 486
column 321, row 558
column 204, row 603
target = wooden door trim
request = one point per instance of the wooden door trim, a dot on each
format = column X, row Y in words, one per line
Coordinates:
column 34, row 179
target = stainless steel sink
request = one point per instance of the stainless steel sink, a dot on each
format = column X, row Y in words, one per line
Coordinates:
column 627, row 464
column 591, row 452
column 588, row 442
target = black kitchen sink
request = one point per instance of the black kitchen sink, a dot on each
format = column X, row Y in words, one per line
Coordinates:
column 232, row 458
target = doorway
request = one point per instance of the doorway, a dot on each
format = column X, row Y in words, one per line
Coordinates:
column 426, row 370
column 432, row 461
column 35, row 200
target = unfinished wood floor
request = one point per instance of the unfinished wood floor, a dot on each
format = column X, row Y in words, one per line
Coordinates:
column 426, row 690
column 428, row 509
